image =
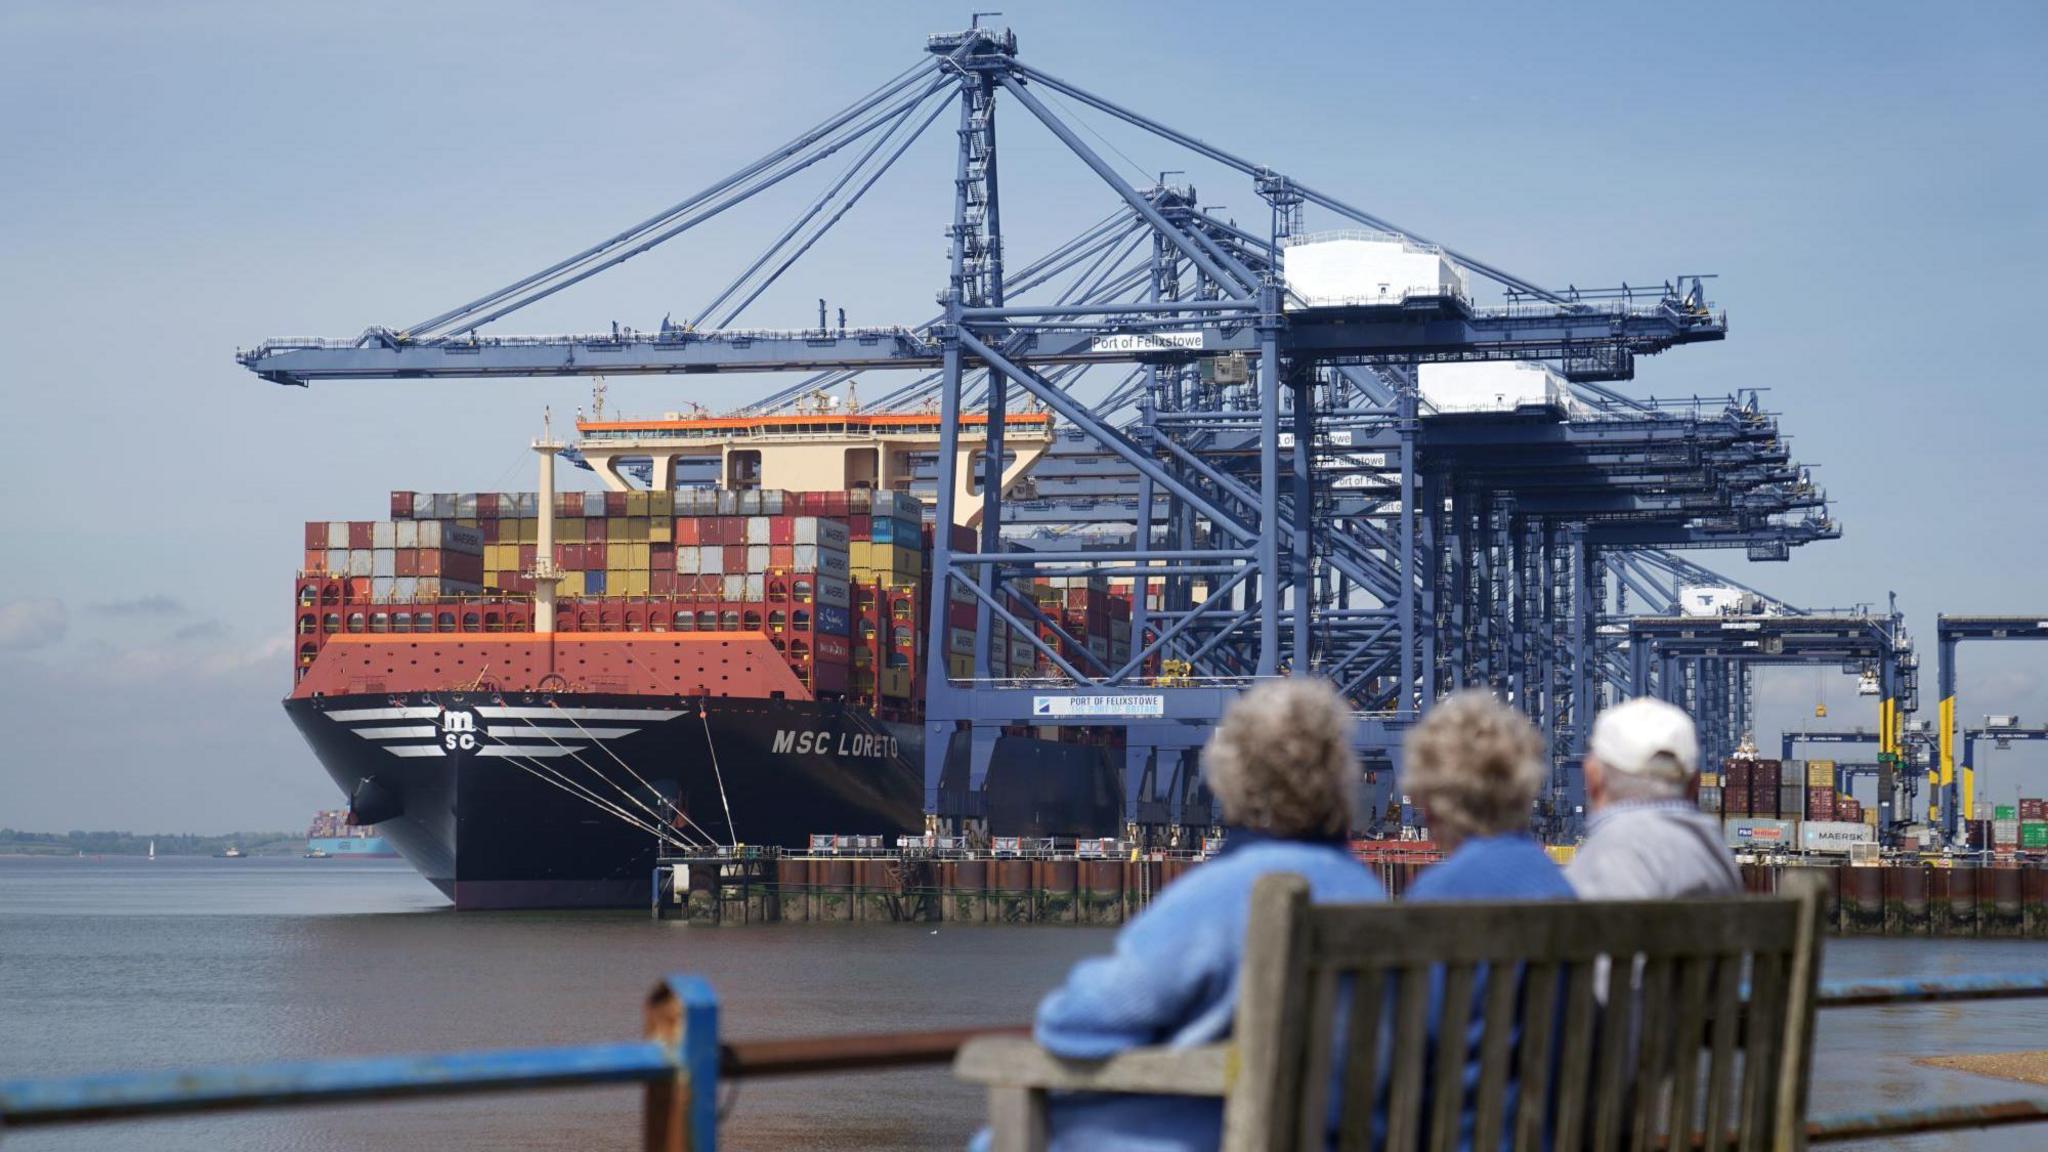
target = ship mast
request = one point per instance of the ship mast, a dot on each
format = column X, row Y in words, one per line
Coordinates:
column 545, row 574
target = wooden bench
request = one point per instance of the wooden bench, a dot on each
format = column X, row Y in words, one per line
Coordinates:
column 1714, row 1047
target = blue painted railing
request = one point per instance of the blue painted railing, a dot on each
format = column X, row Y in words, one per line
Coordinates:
column 681, row 1059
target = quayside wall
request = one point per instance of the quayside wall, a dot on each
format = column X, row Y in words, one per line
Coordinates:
column 1891, row 899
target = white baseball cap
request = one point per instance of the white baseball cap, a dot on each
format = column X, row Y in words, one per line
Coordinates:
column 1647, row 737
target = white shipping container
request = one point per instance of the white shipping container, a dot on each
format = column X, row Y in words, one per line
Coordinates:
column 735, row 587
column 772, row 500
column 444, row 505
column 407, row 588
column 337, row 561
column 823, row 532
column 383, row 562
column 593, row 504
column 758, row 531
column 756, row 587
column 430, row 533
column 757, row 558
column 1364, row 268
column 407, row 534
column 337, row 533
column 465, row 506
column 382, row 588
column 1491, row 386
column 383, row 534
column 689, row 559
column 1833, row 836
column 360, row 562
column 1757, row 832
column 711, row 559
column 422, row 505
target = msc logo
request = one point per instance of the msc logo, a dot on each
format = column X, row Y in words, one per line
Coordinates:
column 458, row 730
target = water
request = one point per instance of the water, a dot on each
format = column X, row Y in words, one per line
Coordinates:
column 110, row 964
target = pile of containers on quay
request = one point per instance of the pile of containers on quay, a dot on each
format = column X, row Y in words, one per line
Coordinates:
column 332, row 834
column 839, row 581
column 1785, row 806
column 2021, row 827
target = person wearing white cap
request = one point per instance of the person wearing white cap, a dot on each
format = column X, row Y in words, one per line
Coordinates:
column 1647, row 840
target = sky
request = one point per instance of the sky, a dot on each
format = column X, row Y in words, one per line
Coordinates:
column 181, row 181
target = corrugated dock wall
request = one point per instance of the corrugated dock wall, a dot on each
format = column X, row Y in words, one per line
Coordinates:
column 1889, row 900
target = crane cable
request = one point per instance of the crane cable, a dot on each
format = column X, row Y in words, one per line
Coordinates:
column 704, row 714
column 701, row 830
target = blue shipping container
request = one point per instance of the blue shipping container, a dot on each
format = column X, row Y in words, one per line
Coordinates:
column 834, row 620
column 593, row 583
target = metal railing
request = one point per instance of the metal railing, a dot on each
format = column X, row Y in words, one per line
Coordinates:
column 680, row 1061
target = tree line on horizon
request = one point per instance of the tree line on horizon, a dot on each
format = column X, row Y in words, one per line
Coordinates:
column 17, row 842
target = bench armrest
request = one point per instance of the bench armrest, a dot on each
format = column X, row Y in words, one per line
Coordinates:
column 1015, row 1062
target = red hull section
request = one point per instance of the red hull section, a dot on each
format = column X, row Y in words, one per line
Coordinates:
column 741, row 664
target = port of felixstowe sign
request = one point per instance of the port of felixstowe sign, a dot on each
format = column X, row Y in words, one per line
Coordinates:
column 1056, row 707
column 1147, row 342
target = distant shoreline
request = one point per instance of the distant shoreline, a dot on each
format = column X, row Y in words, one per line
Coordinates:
column 16, row 843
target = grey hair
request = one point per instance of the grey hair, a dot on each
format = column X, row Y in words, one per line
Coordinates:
column 1476, row 765
column 1281, row 760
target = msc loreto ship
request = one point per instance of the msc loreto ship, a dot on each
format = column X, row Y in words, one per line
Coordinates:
column 530, row 695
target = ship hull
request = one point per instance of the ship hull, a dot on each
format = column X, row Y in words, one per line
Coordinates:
column 352, row 847
column 552, row 801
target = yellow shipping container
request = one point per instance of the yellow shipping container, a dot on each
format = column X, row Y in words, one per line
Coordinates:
column 1710, row 779
column 493, row 579
column 634, row 584
column 1870, row 816
column 661, row 530
column 471, row 522
column 1820, row 773
column 618, row 557
column 637, row 559
column 907, row 563
column 636, row 503
column 615, row 529
column 661, row 504
column 960, row 667
column 571, row 584
column 860, row 555
column 636, row 529
column 529, row 530
column 896, row 683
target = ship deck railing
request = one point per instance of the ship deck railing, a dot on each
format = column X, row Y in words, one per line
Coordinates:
column 682, row 1056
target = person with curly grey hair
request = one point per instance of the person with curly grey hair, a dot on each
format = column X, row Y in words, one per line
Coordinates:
column 1476, row 767
column 1282, row 767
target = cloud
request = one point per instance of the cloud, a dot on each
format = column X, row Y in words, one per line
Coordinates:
column 31, row 624
column 152, row 605
column 201, row 630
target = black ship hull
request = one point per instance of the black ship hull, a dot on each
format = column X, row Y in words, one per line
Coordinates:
column 553, row 802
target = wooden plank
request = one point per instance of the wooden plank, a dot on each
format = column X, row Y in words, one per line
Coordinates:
column 1762, row 1026
column 1015, row 1062
column 1016, row 1119
column 1574, row 1092
column 1802, row 998
column 1406, row 935
column 1319, row 1028
column 1361, row 1061
column 1541, row 991
column 1652, row 1042
column 1271, row 1001
column 1609, row 1088
column 1452, row 1038
column 1504, row 984
column 1688, row 1034
column 1726, row 1023
column 1407, row 1059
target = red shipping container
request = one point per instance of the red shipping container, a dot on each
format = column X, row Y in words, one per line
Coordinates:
column 401, row 505
column 686, row 532
column 359, row 534
column 782, row 556
column 781, row 530
column 358, row 589
column 860, row 527
column 661, row 558
column 528, row 554
column 661, row 582
column 961, row 615
column 833, row 678
column 594, row 530
column 829, row 649
column 487, row 505
column 316, row 534
column 406, row 563
column 568, row 504
column 615, row 503
column 428, row 562
column 316, row 560
column 2033, row 808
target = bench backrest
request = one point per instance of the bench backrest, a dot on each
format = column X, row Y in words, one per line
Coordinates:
column 1713, row 1042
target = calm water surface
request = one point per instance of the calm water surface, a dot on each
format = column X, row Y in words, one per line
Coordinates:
column 110, row 964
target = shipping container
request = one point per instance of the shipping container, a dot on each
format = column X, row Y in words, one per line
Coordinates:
column 1761, row 833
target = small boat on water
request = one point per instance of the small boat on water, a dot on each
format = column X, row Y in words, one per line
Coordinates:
column 234, row 852
column 317, row 854
column 152, row 851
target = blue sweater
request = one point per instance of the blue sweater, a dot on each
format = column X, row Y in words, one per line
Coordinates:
column 1172, row 980
column 1488, row 868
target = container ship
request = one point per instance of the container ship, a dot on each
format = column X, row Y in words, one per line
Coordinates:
column 531, row 695
column 331, row 834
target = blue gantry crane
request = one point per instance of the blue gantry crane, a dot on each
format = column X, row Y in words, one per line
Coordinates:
column 1287, row 472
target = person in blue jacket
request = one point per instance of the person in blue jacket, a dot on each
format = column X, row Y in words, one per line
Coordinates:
column 1476, row 766
column 1281, row 765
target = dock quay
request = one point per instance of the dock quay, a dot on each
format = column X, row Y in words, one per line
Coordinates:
column 1055, row 884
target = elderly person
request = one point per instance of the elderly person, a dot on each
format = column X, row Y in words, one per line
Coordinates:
column 1646, row 840
column 1282, row 767
column 1476, row 766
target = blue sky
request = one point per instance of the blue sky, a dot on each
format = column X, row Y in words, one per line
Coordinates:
column 184, row 180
